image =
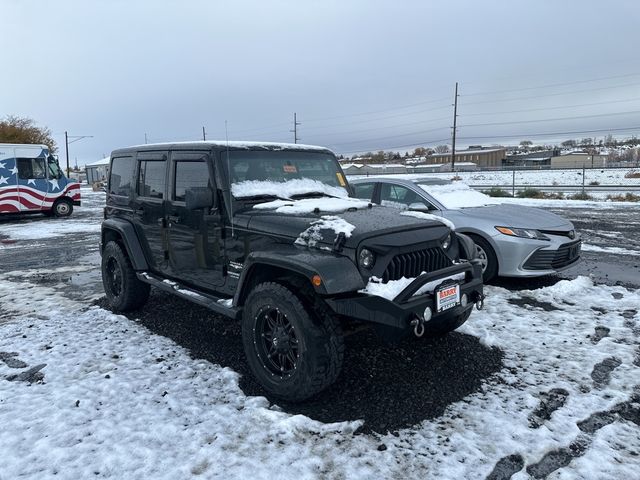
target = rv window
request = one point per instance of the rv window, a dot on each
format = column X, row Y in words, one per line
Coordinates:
column 151, row 178
column 54, row 169
column 120, row 176
column 30, row 168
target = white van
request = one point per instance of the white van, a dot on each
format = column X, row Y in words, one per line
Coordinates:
column 31, row 180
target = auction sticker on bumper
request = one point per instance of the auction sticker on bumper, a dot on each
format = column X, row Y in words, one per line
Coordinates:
column 447, row 297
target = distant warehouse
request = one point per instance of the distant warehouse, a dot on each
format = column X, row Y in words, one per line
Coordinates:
column 483, row 158
column 98, row 171
column 579, row 160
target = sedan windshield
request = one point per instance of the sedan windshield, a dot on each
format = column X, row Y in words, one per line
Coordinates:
column 285, row 174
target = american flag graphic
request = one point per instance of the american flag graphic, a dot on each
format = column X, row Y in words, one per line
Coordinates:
column 31, row 194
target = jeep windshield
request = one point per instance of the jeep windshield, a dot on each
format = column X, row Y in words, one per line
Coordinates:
column 259, row 175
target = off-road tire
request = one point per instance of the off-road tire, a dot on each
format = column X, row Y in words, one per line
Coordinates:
column 447, row 325
column 319, row 336
column 491, row 271
column 131, row 293
column 62, row 208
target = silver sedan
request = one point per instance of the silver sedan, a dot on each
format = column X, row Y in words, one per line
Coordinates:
column 512, row 240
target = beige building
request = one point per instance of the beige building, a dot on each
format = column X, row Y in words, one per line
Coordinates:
column 579, row 160
column 490, row 157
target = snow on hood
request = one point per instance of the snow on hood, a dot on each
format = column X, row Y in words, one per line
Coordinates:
column 429, row 216
column 312, row 235
column 309, row 205
column 298, row 186
column 458, row 195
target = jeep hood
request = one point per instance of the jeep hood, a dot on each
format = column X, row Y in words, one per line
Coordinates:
column 323, row 228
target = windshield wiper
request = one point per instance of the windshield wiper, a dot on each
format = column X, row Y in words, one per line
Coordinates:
column 311, row 195
column 262, row 197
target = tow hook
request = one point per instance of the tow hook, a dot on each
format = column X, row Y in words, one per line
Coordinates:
column 480, row 302
column 418, row 327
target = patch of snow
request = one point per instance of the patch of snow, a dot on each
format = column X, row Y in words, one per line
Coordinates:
column 309, row 205
column 226, row 302
column 429, row 216
column 36, row 228
column 312, row 235
column 392, row 288
column 587, row 247
column 458, row 195
column 298, row 186
column 107, row 405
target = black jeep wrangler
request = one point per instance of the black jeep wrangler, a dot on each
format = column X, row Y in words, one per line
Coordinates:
column 267, row 234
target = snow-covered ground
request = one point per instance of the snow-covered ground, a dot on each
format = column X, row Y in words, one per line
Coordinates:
column 611, row 176
column 117, row 401
column 87, row 393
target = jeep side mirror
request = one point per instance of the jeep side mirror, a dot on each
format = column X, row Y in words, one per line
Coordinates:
column 196, row 198
column 419, row 207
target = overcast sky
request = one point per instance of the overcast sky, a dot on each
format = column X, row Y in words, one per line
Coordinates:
column 361, row 75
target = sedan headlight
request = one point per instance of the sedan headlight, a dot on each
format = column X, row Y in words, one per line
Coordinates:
column 366, row 258
column 522, row 232
column 446, row 243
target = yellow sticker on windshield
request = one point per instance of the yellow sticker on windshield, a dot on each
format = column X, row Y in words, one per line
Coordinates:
column 341, row 180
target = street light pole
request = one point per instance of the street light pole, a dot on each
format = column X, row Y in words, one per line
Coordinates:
column 67, row 142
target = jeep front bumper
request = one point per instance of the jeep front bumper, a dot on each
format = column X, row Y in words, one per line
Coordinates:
column 406, row 306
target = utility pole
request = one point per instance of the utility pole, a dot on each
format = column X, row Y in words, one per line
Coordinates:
column 66, row 149
column 67, row 142
column 295, row 128
column 453, row 140
column 204, row 135
column 145, row 138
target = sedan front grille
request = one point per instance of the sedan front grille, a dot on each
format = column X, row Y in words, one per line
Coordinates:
column 554, row 259
column 412, row 264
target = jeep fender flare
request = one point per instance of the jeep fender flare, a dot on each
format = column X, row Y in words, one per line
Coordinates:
column 126, row 231
column 338, row 274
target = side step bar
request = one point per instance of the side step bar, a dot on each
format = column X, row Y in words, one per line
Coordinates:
column 218, row 305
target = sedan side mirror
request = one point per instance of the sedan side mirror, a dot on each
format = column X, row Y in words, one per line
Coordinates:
column 419, row 207
column 196, row 198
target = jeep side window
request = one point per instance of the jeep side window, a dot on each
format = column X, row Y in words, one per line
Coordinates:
column 189, row 174
column 151, row 178
column 120, row 176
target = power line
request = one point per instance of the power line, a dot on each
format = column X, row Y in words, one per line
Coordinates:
column 392, row 136
column 549, row 108
column 573, row 92
column 579, row 117
column 549, row 85
column 426, row 142
column 549, row 134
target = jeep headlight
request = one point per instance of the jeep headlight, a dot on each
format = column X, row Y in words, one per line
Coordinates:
column 523, row 233
column 366, row 259
column 446, row 243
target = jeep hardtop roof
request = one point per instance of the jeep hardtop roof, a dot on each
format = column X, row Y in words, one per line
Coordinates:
column 222, row 145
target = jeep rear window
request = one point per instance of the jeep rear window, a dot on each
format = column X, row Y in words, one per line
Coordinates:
column 279, row 166
column 120, row 176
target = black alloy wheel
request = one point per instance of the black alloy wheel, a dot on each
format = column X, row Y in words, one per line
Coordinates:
column 276, row 341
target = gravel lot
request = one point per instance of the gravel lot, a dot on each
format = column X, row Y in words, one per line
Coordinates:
column 392, row 388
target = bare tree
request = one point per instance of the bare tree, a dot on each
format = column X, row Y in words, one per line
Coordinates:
column 442, row 149
column 526, row 143
column 15, row 129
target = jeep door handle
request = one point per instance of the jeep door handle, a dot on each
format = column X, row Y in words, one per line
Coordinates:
column 173, row 219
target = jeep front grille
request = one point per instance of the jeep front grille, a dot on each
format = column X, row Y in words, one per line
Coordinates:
column 412, row 264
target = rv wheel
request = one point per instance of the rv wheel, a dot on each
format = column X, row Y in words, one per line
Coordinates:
column 62, row 208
